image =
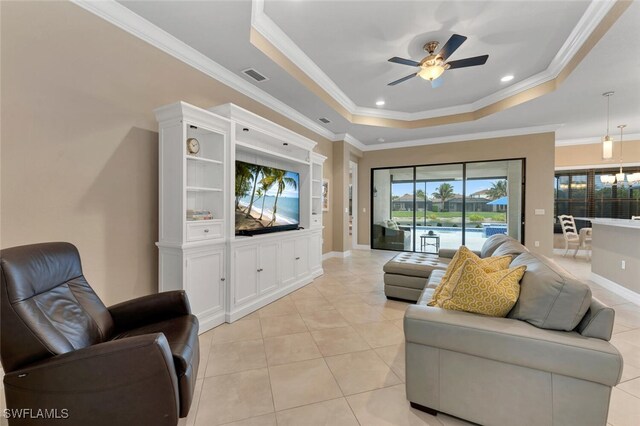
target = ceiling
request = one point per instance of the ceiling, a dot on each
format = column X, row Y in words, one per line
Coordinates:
column 347, row 44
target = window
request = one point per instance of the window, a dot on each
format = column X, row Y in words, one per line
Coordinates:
column 425, row 208
column 581, row 193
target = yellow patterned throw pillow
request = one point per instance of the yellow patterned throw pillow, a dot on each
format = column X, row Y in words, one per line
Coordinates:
column 488, row 264
column 471, row 289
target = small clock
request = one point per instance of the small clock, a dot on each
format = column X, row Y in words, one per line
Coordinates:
column 193, row 146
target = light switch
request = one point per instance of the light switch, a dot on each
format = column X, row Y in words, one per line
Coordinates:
column 364, row 210
column 346, row 209
column 539, row 212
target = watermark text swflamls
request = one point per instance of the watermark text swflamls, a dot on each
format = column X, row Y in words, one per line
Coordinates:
column 39, row 413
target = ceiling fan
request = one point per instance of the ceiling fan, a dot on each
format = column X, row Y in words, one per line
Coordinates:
column 433, row 65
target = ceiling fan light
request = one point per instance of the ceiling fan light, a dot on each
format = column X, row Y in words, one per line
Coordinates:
column 431, row 72
column 607, row 148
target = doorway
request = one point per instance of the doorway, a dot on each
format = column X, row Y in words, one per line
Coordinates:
column 353, row 205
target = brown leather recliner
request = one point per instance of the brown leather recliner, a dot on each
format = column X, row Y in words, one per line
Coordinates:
column 68, row 356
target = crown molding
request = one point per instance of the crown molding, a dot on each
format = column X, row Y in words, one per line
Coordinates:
column 463, row 138
column 351, row 140
column 595, row 139
column 122, row 17
column 589, row 21
column 261, row 22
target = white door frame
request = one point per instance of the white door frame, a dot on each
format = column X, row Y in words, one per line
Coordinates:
column 353, row 169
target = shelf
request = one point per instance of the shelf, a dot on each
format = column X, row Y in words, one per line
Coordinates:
column 317, row 196
column 204, row 222
column 202, row 189
column 269, row 153
column 204, row 160
column 316, row 180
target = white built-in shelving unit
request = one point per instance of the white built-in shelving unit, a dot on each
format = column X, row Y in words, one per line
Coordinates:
column 228, row 276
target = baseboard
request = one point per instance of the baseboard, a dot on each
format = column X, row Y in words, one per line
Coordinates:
column 560, row 251
column 616, row 288
column 362, row 247
column 209, row 322
column 331, row 254
column 249, row 308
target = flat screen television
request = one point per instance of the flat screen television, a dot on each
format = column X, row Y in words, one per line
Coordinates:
column 267, row 199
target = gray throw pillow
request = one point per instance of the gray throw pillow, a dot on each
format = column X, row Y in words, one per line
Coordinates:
column 492, row 243
column 550, row 297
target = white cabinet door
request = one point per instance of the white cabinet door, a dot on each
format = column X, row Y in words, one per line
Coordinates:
column 245, row 280
column 302, row 256
column 204, row 282
column 315, row 252
column 288, row 262
column 268, row 275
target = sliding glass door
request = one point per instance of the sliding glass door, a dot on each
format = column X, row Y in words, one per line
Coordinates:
column 426, row 208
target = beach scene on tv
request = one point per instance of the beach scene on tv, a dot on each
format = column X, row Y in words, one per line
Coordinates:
column 266, row 197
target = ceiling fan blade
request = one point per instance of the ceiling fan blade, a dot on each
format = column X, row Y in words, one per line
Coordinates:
column 468, row 62
column 403, row 61
column 451, row 46
column 400, row 80
column 437, row 82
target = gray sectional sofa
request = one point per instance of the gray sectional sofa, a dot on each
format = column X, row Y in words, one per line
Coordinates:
column 549, row 362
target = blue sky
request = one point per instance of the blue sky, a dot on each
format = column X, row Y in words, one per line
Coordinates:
column 400, row 189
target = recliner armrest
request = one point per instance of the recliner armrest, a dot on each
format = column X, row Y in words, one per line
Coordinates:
column 514, row 342
column 135, row 378
column 149, row 309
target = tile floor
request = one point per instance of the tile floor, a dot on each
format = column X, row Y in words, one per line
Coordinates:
column 332, row 353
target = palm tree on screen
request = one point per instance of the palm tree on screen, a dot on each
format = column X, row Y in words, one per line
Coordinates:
column 443, row 193
column 242, row 182
column 264, row 187
column 278, row 177
column 255, row 172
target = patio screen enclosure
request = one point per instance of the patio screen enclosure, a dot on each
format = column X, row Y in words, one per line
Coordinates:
column 425, row 208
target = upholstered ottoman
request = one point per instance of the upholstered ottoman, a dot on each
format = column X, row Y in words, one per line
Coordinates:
column 406, row 275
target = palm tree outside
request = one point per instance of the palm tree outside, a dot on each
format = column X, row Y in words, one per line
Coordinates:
column 498, row 189
column 443, row 193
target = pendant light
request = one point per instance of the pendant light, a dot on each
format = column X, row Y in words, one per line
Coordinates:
column 607, row 141
column 620, row 176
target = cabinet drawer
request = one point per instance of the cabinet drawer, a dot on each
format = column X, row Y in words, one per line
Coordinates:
column 204, row 231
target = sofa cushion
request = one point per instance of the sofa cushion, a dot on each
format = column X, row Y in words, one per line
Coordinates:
column 492, row 243
column 550, row 297
column 489, row 264
column 511, row 248
column 425, row 296
column 415, row 264
column 471, row 289
column 435, row 278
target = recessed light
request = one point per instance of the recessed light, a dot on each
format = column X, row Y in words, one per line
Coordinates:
column 506, row 78
column 380, row 139
column 379, row 103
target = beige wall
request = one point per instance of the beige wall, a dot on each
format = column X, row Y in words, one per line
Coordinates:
column 79, row 140
column 537, row 149
column 591, row 154
column 611, row 245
